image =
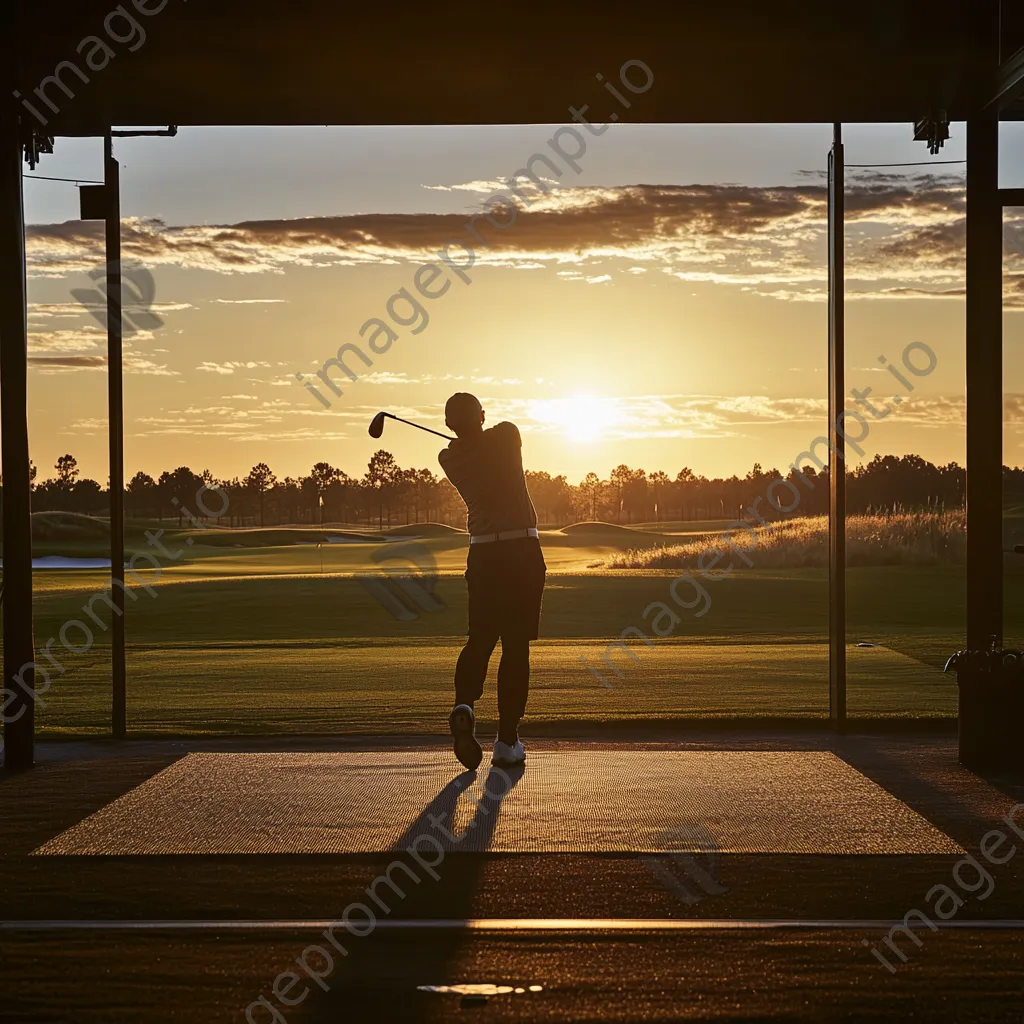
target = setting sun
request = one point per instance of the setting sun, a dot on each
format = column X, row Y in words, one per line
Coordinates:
column 580, row 418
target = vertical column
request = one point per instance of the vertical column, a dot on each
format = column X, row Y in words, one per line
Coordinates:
column 984, row 382
column 837, row 445
column 19, row 656
column 115, row 431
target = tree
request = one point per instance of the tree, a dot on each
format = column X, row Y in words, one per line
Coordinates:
column 660, row 488
column 87, row 496
column 592, row 486
column 179, row 488
column 684, row 485
column 620, row 476
column 382, row 477
column 288, row 495
column 141, row 491
column 561, row 500
column 67, row 471
column 885, row 484
column 260, row 479
column 635, row 495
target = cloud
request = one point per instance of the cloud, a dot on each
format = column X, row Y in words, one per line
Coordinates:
column 68, row 362
column 248, row 302
column 905, row 231
column 485, row 187
column 634, row 417
column 658, row 416
column 44, row 310
column 66, row 341
column 70, row 350
column 386, row 377
column 586, row 220
column 138, row 364
column 131, row 364
column 906, row 293
column 230, row 366
column 89, row 425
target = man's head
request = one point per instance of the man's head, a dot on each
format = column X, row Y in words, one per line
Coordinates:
column 464, row 414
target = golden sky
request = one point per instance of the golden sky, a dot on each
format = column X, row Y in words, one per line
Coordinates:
column 665, row 307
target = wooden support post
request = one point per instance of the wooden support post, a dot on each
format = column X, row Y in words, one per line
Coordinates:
column 115, row 430
column 984, row 345
column 19, row 653
column 837, row 445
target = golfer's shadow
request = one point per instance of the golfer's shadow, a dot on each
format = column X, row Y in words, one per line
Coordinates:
column 376, row 976
column 464, row 832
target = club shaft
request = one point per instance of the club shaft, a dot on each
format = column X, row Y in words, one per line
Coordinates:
column 410, row 423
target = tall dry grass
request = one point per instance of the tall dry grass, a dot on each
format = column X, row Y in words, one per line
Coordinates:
column 902, row 538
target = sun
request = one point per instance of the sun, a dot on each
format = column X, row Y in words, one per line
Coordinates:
column 582, row 418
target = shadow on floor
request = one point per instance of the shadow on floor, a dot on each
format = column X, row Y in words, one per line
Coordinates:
column 449, row 877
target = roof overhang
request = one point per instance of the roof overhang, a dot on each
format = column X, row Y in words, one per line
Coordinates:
column 318, row 62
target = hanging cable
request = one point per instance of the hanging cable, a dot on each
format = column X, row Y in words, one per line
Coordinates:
column 918, row 163
column 77, row 181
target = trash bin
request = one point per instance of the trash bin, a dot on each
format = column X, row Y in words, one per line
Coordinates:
column 991, row 692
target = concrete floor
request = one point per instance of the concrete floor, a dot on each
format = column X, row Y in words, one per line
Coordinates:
column 705, row 976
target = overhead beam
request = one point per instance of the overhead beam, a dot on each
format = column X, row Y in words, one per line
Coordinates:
column 236, row 62
column 1009, row 82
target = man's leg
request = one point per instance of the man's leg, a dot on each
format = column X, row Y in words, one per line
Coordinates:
column 470, row 673
column 471, row 668
column 513, row 686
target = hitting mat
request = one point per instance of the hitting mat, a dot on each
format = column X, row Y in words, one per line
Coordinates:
column 569, row 801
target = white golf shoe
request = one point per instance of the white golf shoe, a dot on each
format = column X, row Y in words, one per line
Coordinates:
column 506, row 755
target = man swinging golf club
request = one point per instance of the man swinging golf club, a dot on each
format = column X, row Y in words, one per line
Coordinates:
column 504, row 574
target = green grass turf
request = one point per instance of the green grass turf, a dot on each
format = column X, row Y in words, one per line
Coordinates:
column 251, row 630
column 361, row 686
column 258, row 640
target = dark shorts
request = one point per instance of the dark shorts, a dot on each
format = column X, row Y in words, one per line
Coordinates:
column 506, row 585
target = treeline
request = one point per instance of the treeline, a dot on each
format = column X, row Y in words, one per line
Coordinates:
column 386, row 494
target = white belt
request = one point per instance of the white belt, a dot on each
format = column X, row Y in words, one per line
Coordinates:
column 490, row 538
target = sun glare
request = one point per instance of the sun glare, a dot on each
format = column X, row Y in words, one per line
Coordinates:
column 581, row 418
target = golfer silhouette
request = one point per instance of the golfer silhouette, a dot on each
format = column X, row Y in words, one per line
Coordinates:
column 504, row 575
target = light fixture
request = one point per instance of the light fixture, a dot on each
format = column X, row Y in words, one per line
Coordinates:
column 934, row 130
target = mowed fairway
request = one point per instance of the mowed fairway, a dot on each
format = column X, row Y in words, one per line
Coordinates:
column 256, row 638
column 380, row 688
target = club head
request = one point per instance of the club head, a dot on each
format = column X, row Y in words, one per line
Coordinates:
column 377, row 425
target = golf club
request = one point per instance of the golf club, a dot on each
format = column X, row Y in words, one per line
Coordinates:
column 377, row 425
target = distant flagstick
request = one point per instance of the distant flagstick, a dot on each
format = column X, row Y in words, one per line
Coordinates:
column 320, row 543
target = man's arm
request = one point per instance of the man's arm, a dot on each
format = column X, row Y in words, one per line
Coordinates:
column 448, row 460
column 509, row 432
